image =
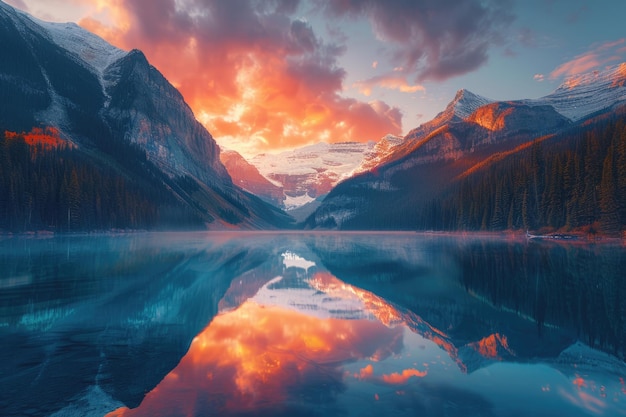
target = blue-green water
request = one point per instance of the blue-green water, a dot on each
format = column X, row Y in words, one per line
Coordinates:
column 328, row 324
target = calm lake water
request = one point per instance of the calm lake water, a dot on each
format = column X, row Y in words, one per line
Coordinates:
column 323, row 324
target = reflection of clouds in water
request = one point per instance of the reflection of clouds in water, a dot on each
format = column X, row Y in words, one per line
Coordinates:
column 302, row 353
column 394, row 378
column 262, row 357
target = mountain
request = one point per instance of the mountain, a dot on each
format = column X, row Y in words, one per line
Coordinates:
column 470, row 122
column 377, row 155
column 423, row 177
column 246, row 176
column 311, row 171
column 108, row 103
column 586, row 94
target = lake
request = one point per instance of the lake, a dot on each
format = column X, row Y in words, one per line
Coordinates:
column 310, row 324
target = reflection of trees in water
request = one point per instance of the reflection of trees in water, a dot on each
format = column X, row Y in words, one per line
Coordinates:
column 581, row 288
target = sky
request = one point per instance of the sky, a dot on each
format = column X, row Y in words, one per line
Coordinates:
column 271, row 75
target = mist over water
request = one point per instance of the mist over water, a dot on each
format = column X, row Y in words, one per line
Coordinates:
column 310, row 324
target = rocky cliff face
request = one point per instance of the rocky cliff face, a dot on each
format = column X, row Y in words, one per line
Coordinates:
column 147, row 110
column 103, row 99
column 246, row 176
column 470, row 131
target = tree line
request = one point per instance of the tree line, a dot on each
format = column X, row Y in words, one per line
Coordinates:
column 64, row 189
column 573, row 181
column 577, row 288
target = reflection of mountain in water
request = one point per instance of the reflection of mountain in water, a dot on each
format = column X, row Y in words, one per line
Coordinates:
column 300, row 327
column 577, row 288
column 532, row 300
column 116, row 312
column 114, row 316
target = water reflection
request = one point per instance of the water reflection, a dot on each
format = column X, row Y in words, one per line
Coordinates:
column 319, row 324
column 579, row 287
column 260, row 358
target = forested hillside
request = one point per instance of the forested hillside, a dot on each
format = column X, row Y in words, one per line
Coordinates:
column 575, row 180
column 47, row 184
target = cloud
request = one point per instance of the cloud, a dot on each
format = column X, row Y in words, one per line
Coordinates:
column 402, row 378
column 435, row 40
column 395, row 378
column 539, row 77
column 249, row 65
column 390, row 81
column 18, row 3
column 255, row 359
column 598, row 56
column 581, row 64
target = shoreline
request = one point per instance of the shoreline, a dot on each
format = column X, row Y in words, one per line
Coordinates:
column 576, row 238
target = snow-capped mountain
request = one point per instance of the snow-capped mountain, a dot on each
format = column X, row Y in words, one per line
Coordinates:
column 575, row 99
column 98, row 97
column 461, row 107
column 89, row 48
column 381, row 150
column 472, row 132
column 583, row 95
column 311, row 171
column 130, row 92
column 248, row 177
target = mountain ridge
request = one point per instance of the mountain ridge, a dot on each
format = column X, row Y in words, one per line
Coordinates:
column 435, row 158
column 104, row 100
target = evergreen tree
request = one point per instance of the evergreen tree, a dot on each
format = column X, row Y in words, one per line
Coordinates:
column 609, row 217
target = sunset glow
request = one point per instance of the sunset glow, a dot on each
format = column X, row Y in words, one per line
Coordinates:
column 253, row 357
column 48, row 137
column 492, row 346
column 266, row 76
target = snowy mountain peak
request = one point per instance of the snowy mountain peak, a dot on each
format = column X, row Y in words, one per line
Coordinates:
column 615, row 76
column 582, row 95
column 89, row 48
column 465, row 103
column 390, row 140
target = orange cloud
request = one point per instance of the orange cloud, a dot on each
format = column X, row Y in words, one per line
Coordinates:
column 258, row 79
column 254, row 358
column 389, row 81
column 367, row 372
column 402, row 378
column 580, row 64
column 598, row 56
column 395, row 378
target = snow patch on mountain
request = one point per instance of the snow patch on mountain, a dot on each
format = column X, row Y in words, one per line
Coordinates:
column 291, row 203
column 311, row 171
column 338, row 159
column 583, row 95
column 87, row 49
column 90, row 48
column 460, row 108
column 465, row 103
column 376, row 156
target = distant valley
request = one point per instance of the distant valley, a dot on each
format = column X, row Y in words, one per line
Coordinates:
column 95, row 138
